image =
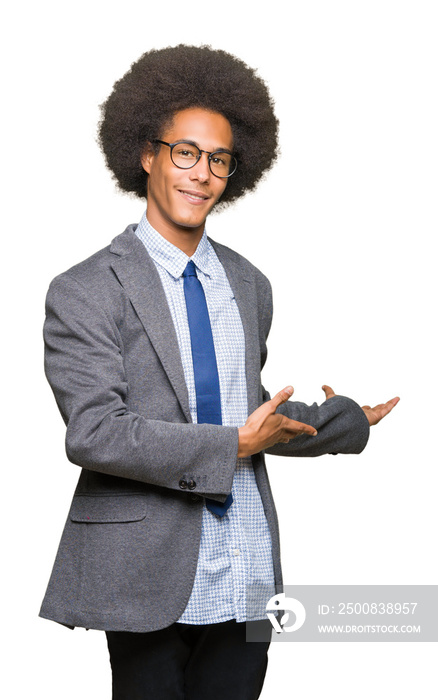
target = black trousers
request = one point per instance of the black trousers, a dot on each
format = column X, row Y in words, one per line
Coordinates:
column 190, row 662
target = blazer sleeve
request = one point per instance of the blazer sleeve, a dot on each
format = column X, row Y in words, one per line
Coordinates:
column 341, row 424
column 84, row 366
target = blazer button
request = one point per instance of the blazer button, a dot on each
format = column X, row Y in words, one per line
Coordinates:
column 194, row 497
column 182, row 484
column 192, row 484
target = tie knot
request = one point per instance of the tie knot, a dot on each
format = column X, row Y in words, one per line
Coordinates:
column 190, row 270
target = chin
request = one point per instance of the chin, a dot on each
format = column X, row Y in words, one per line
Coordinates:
column 190, row 221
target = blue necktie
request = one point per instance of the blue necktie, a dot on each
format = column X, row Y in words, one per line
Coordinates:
column 208, row 398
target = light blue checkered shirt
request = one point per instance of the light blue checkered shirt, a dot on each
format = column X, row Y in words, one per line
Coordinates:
column 235, row 550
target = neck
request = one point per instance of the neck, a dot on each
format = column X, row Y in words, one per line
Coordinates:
column 185, row 238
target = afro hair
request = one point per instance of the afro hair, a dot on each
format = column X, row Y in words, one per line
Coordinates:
column 165, row 81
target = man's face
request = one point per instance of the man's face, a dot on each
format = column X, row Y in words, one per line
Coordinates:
column 180, row 200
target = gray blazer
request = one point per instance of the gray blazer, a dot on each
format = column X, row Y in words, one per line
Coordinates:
column 128, row 554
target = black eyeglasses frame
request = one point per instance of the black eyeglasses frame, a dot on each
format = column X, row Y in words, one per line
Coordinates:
column 201, row 151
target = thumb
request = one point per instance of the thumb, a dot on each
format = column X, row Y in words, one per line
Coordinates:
column 282, row 397
column 328, row 391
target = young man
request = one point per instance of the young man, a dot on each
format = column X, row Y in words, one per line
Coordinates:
column 154, row 348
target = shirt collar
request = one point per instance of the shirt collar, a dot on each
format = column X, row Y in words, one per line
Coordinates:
column 168, row 255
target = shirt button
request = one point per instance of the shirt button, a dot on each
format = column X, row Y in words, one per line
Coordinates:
column 236, row 552
column 182, row 484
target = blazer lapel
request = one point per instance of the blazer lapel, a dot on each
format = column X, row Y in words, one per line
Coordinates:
column 138, row 275
column 244, row 292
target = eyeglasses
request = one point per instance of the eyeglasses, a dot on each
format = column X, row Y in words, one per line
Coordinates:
column 185, row 155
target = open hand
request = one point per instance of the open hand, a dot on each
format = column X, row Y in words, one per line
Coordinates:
column 265, row 428
column 375, row 414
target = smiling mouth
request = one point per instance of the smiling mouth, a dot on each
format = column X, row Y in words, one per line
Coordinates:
column 194, row 196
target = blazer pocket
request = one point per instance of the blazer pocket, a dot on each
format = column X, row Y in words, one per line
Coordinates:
column 107, row 509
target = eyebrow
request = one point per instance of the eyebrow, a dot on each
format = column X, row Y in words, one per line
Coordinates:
column 222, row 149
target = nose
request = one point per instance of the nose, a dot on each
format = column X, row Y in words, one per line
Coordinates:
column 201, row 171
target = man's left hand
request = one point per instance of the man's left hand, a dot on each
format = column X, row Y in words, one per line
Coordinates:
column 375, row 414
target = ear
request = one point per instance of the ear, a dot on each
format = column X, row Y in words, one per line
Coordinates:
column 147, row 157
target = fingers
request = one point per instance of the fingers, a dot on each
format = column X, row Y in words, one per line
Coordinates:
column 393, row 402
column 385, row 408
column 328, row 391
column 389, row 405
column 376, row 414
column 281, row 397
column 291, row 429
column 297, row 428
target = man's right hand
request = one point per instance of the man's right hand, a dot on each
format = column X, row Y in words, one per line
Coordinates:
column 265, row 428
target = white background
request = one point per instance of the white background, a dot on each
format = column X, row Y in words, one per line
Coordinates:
column 344, row 227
